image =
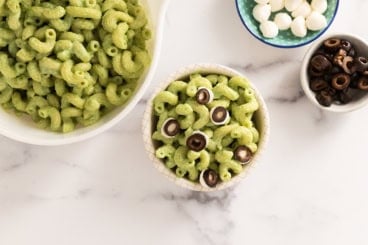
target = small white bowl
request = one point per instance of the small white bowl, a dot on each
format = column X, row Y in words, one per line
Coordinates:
column 25, row 130
column 360, row 98
column 261, row 119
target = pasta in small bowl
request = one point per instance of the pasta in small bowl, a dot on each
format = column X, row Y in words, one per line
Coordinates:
column 72, row 69
column 205, row 127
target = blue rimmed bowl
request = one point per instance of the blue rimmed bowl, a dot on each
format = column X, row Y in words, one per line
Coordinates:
column 285, row 39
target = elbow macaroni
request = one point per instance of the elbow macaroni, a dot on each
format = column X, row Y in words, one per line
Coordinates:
column 179, row 101
column 67, row 63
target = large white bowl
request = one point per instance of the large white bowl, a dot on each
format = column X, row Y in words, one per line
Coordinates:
column 25, row 131
column 261, row 120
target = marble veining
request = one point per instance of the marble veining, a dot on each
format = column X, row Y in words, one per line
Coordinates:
column 310, row 186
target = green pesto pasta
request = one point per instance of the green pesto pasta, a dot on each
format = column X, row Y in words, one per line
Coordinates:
column 206, row 122
column 54, row 115
column 66, row 64
column 47, row 45
column 81, row 12
column 188, row 117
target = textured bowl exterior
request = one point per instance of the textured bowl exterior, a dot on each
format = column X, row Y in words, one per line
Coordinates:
column 285, row 39
column 147, row 129
column 361, row 47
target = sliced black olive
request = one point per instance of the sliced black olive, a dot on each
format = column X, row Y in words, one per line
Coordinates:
column 320, row 63
column 344, row 97
column 361, row 64
column 354, row 80
column 332, row 45
column 219, row 115
column 243, row 154
column 314, row 72
column 170, row 128
column 339, row 57
column 363, row 83
column 340, row 81
column 204, row 96
column 324, row 98
column 346, row 45
column 318, row 84
column 352, row 52
column 336, row 69
column 197, row 141
column 209, row 178
column 348, row 65
column 331, row 91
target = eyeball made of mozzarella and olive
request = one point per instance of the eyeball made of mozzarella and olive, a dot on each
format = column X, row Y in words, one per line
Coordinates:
column 262, row 12
column 269, row 29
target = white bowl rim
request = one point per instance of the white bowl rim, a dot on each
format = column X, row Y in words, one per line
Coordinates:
column 67, row 139
column 305, row 81
column 146, row 127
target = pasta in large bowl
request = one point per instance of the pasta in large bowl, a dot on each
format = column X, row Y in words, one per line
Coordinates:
column 71, row 69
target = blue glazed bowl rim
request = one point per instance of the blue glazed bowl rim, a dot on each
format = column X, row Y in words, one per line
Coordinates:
column 287, row 46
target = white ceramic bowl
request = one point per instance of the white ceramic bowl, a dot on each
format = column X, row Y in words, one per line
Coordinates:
column 360, row 98
column 25, row 131
column 261, row 118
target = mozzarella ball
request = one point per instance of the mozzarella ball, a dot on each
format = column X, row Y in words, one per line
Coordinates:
column 298, row 27
column 277, row 5
column 319, row 6
column 269, row 29
column 316, row 21
column 261, row 12
column 283, row 21
column 291, row 5
column 304, row 10
column 261, row 1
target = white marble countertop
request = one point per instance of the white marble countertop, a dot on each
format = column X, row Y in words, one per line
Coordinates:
column 311, row 186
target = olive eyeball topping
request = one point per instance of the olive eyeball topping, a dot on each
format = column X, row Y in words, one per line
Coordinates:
column 197, row 141
column 219, row 115
column 208, row 178
column 243, row 154
column 336, row 71
column 204, row 96
column 170, row 128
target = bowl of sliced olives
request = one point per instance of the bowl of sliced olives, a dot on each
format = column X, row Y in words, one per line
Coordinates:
column 334, row 73
column 205, row 127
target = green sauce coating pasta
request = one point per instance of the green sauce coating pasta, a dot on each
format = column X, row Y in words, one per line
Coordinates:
column 186, row 111
column 182, row 101
column 226, row 164
column 66, row 63
column 54, row 115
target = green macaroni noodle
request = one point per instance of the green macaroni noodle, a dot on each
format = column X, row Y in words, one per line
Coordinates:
column 68, row 63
